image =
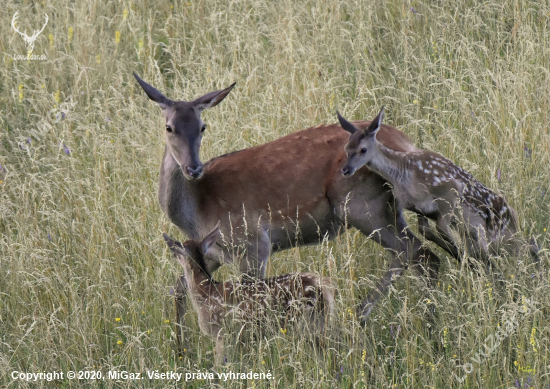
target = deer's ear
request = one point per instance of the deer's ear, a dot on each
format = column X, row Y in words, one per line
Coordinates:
column 375, row 125
column 346, row 125
column 163, row 101
column 210, row 239
column 175, row 246
column 212, row 99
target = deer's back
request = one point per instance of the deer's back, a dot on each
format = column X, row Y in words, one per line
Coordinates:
column 287, row 177
column 286, row 294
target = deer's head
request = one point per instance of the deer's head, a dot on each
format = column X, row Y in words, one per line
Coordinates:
column 184, row 127
column 192, row 254
column 361, row 146
column 29, row 40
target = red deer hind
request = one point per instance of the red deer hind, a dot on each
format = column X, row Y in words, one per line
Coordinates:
column 289, row 296
column 277, row 195
column 433, row 186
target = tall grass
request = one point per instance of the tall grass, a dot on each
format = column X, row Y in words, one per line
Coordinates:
column 85, row 278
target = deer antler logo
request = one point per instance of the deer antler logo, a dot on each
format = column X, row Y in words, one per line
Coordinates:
column 29, row 40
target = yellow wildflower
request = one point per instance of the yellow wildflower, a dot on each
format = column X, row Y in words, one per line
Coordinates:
column 532, row 340
column 117, row 36
column 71, row 31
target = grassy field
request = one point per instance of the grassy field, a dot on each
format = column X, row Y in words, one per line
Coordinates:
column 85, row 277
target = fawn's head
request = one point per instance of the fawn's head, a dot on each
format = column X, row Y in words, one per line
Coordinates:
column 184, row 127
column 361, row 146
column 192, row 254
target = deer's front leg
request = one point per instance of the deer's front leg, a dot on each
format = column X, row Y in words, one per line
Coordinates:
column 180, row 300
column 219, row 358
column 253, row 263
column 443, row 240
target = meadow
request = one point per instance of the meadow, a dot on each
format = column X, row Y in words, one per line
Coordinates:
column 86, row 280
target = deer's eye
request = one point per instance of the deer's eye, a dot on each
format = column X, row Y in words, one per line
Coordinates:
column 363, row 150
column 168, row 129
column 203, row 128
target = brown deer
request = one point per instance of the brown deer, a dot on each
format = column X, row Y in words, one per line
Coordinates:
column 278, row 195
column 434, row 187
column 290, row 296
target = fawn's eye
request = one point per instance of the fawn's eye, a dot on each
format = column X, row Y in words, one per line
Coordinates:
column 203, row 128
column 363, row 150
column 168, row 129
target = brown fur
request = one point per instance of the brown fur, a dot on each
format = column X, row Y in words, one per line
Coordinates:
column 390, row 137
column 434, row 187
column 289, row 296
column 285, row 193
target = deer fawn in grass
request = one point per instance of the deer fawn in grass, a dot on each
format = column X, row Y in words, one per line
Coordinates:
column 278, row 195
column 291, row 295
column 434, row 187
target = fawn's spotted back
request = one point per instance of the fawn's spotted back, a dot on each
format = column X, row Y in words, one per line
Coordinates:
column 437, row 170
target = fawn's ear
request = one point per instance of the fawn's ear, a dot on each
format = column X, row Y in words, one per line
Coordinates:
column 375, row 125
column 346, row 125
column 175, row 246
column 210, row 239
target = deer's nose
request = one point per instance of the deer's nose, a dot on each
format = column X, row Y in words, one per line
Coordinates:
column 195, row 172
column 346, row 171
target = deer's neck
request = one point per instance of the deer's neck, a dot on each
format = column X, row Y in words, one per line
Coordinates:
column 390, row 164
column 178, row 197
